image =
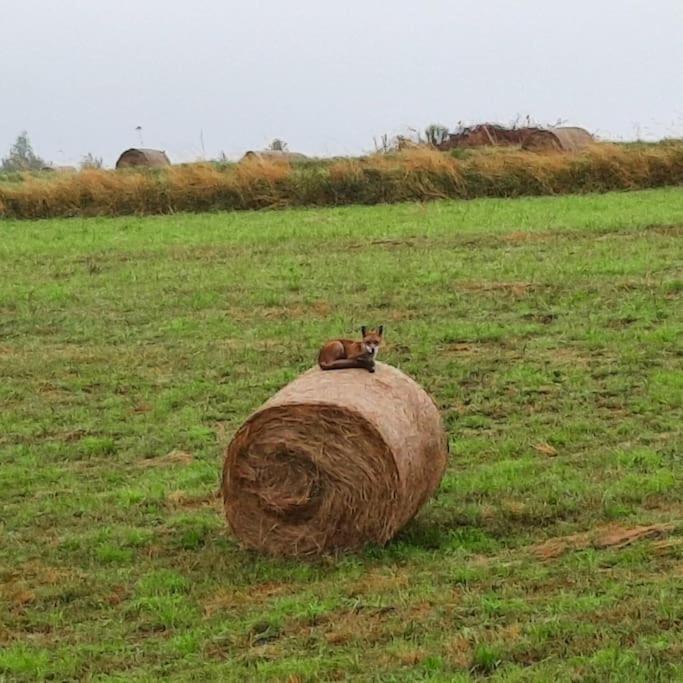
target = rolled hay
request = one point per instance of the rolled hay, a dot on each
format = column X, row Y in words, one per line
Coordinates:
column 333, row 461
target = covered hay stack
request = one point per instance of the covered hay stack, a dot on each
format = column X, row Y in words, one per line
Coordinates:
column 145, row 158
column 333, row 461
column 486, row 135
column 558, row 140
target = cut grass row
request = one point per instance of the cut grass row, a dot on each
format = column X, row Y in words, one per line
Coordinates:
column 417, row 174
column 547, row 330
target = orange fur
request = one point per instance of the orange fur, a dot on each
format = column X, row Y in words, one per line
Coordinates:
column 341, row 354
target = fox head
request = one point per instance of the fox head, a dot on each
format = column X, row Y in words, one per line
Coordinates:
column 372, row 339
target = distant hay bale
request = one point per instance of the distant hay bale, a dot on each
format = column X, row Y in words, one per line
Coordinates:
column 60, row 169
column 566, row 139
column 274, row 155
column 146, row 158
column 333, row 461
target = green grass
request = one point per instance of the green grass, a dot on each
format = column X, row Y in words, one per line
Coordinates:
column 132, row 348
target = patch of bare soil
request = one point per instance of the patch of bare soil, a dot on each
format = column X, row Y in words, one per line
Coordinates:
column 665, row 229
column 172, row 458
column 520, row 236
column 182, row 499
column 388, row 243
column 233, row 598
column 544, row 448
column 611, row 536
column 517, row 289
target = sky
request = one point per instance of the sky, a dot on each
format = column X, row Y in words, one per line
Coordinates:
column 208, row 77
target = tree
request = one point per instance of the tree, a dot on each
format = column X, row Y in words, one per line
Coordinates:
column 278, row 145
column 91, row 161
column 21, row 156
column 436, row 134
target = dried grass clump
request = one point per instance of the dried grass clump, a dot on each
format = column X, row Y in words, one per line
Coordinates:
column 202, row 187
column 88, row 193
column 511, row 173
column 333, row 461
column 346, row 180
column 419, row 173
column 263, row 183
column 411, row 174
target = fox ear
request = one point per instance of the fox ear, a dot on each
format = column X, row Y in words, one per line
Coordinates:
column 380, row 330
column 364, row 330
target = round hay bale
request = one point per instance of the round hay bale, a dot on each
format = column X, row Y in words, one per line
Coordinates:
column 146, row 158
column 275, row 155
column 566, row 139
column 333, row 461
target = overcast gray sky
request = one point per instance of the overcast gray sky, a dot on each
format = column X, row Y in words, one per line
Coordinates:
column 80, row 75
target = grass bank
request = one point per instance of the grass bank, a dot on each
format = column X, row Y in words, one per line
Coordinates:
column 548, row 331
column 412, row 175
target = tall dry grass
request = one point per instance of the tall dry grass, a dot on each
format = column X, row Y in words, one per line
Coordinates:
column 413, row 174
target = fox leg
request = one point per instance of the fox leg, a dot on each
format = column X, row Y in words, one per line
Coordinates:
column 366, row 361
column 345, row 363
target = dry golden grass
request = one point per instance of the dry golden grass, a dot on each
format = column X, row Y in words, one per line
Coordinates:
column 414, row 174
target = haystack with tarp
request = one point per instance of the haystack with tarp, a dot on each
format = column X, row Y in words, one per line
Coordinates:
column 137, row 157
column 333, row 461
column 274, row 155
column 564, row 139
column 486, row 135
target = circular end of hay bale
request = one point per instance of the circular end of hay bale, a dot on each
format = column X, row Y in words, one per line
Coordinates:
column 335, row 460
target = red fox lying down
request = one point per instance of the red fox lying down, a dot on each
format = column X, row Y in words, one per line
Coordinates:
column 340, row 354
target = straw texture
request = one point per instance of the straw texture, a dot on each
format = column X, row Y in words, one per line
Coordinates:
column 333, row 461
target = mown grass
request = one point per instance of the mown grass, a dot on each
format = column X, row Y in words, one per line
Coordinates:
column 417, row 174
column 548, row 331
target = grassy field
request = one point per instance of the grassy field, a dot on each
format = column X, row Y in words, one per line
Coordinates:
column 549, row 332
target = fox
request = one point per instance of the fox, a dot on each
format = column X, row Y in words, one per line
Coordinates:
column 340, row 354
